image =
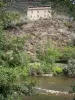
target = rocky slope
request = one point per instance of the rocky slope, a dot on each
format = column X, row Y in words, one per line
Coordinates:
column 46, row 33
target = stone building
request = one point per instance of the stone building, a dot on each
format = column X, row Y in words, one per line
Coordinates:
column 35, row 13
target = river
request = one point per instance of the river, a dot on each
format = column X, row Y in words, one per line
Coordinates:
column 62, row 84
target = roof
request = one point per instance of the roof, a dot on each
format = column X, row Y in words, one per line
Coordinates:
column 38, row 7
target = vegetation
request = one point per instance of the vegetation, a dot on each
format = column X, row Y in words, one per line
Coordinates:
column 48, row 58
column 8, row 19
column 50, row 55
column 57, row 70
column 11, row 85
column 67, row 6
column 40, row 68
column 15, row 63
column 35, row 69
column 67, row 53
column 70, row 69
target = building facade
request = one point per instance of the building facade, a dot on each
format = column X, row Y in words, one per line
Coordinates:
column 35, row 13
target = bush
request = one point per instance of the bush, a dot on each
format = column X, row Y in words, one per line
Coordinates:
column 13, row 58
column 70, row 69
column 49, row 56
column 40, row 68
column 67, row 53
column 35, row 69
column 13, row 64
column 46, row 67
column 57, row 70
column 10, row 84
column 7, row 18
column 12, row 51
column 48, row 59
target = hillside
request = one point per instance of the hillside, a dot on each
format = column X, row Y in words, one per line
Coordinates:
column 21, row 5
column 57, row 31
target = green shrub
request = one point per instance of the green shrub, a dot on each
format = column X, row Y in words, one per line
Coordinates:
column 40, row 68
column 13, row 61
column 13, row 64
column 73, row 89
column 48, row 59
column 12, row 51
column 46, row 67
column 68, row 52
column 7, row 18
column 35, row 68
column 70, row 69
column 57, row 70
column 49, row 56
column 10, row 83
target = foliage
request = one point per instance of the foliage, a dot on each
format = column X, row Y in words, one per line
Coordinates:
column 67, row 53
column 46, row 67
column 13, row 55
column 8, row 18
column 35, row 69
column 57, row 70
column 13, row 61
column 62, row 5
column 70, row 69
column 10, row 84
column 39, row 68
column 47, row 59
column 12, row 51
column 49, row 55
column 73, row 89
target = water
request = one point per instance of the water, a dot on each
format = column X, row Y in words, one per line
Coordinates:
column 45, row 97
column 53, row 83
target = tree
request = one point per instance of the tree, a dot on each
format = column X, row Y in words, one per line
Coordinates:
column 62, row 5
column 13, row 61
column 70, row 69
